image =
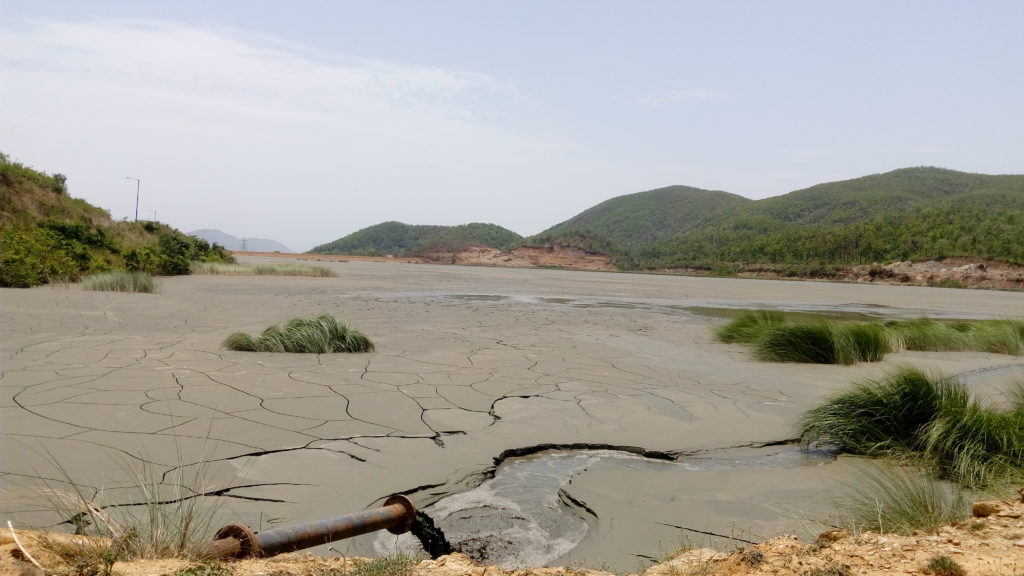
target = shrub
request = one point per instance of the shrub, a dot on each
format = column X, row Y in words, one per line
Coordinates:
column 320, row 335
column 120, row 281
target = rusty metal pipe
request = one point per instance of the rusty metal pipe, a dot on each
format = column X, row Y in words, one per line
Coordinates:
column 233, row 540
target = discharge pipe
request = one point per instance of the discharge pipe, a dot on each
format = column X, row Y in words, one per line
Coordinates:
column 236, row 541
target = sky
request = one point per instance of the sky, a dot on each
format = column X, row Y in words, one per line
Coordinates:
column 307, row 120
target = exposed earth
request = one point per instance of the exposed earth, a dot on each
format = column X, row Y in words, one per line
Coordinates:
column 947, row 273
column 989, row 544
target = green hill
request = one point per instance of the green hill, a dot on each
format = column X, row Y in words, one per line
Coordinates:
column 47, row 235
column 400, row 239
column 636, row 220
column 908, row 214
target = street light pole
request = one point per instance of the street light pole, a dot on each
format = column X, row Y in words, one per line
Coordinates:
column 138, row 183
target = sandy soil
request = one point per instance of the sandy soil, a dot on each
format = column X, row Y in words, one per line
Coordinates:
column 990, row 544
column 470, row 361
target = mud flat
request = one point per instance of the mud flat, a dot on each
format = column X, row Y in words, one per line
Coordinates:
column 470, row 363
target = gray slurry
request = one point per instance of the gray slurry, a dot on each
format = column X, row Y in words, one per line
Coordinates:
column 469, row 362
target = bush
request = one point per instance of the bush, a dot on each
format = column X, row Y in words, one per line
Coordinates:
column 120, row 281
column 30, row 256
column 320, row 335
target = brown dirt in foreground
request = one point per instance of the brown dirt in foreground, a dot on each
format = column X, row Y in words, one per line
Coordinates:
column 948, row 273
column 989, row 544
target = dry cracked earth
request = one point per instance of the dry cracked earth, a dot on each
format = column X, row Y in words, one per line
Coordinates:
column 100, row 389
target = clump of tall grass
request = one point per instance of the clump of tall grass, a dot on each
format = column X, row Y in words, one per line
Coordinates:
column 749, row 326
column 120, row 281
column 322, row 334
column 777, row 339
column 279, row 269
column 899, row 499
column 823, row 343
column 167, row 518
column 931, row 420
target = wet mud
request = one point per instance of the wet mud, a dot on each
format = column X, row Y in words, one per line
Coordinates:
column 472, row 364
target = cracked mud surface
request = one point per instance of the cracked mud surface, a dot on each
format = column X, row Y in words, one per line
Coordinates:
column 470, row 362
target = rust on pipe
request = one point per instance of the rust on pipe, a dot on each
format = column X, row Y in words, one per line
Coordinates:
column 234, row 541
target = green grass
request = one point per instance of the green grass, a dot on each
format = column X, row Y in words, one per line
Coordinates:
column 320, row 335
column 166, row 516
column 749, row 326
column 929, row 419
column 120, row 281
column 776, row 338
column 900, row 500
column 280, row 269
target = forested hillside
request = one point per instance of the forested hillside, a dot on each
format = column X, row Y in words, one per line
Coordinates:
column 398, row 239
column 637, row 220
column 46, row 235
column 908, row 214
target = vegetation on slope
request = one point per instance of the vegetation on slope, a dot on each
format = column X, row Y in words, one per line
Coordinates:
column 47, row 235
column 644, row 218
column 909, row 214
column 398, row 239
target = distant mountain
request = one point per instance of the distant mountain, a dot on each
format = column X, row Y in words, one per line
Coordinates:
column 234, row 243
column 398, row 239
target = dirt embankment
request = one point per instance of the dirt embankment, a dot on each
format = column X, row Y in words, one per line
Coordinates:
column 522, row 257
column 989, row 544
column 947, row 273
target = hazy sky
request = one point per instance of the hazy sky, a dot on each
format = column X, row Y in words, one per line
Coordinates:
column 305, row 120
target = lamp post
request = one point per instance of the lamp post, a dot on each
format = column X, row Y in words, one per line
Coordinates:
column 137, row 184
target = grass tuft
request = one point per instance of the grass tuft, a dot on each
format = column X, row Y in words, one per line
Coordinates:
column 900, row 500
column 945, row 566
column 749, row 326
column 280, row 269
column 816, row 343
column 908, row 414
column 320, row 335
column 120, row 281
column 777, row 339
